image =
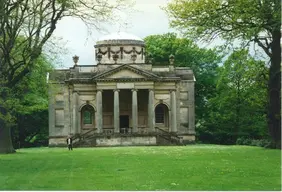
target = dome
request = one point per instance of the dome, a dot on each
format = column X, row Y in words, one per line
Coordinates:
column 120, row 48
column 120, row 36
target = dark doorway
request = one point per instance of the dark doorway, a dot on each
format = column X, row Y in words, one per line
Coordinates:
column 124, row 123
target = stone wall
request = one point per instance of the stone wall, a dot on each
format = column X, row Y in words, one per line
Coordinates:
column 59, row 110
column 57, row 142
column 186, row 107
column 126, row 141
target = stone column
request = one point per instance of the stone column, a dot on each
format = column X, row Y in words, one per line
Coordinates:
column 74, row 112
column 134, row 111
column 99, row 114
column 116, row 111
column 173, row 111
column 151, row 112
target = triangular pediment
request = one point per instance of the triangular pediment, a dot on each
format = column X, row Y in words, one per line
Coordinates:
column 125, row 72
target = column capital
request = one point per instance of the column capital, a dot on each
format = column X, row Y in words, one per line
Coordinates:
column 151, row 90
column 134, row 90
column 114, row 90
column 99, row 90
column 172, row 90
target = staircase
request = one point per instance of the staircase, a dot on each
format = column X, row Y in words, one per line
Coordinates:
column 84, row 140
column 88, row 139
column 167, row 138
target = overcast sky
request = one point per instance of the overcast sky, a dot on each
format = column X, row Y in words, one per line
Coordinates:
column 146, row 19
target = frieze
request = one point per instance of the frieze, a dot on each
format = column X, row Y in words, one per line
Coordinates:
column 109, row 51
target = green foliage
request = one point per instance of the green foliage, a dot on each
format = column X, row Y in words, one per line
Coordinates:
column 31, row 130
column 195, row 167
column 239, row 106
column 32, row 91
column 203, row 62
column 209, row 19
column 27, row 106
column 30, row 94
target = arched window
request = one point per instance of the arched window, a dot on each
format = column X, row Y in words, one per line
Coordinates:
column 160, row 114
column 87, row 115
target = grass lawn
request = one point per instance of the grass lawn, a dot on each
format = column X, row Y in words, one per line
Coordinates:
column 194, row 167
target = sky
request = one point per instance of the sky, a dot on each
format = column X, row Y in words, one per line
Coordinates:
column 146, row 18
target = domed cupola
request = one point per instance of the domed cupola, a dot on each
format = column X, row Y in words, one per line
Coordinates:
column 120, row 48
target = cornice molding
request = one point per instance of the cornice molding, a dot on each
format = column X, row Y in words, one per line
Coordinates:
column 91, row 81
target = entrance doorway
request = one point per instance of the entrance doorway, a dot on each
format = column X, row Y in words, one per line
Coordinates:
column 124, row 123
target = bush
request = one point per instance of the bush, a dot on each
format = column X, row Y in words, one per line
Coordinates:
column 239, row 141
column 253, row 142
column 247, row 141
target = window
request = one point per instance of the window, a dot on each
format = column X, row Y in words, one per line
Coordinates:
column 87, row 113
column 87, row 117
column 160, row 114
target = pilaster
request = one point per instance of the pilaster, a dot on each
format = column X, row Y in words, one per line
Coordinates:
column 74, row 111
column 191, row 109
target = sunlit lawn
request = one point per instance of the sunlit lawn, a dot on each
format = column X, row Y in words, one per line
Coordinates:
column 195, row 167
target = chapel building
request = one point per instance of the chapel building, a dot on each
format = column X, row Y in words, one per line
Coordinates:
column 122, row 100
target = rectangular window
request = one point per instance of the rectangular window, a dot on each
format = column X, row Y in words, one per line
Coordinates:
column 160, row 114
column 159, row 118
column 87, row 117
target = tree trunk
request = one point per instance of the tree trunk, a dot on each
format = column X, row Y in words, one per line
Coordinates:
column 6, row 145
column 21, row 131
column 274, row 91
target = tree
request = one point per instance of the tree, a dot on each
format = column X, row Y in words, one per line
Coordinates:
column 255, row 21
column 204, row 63
column 239, row 106
column 36, row 21
column 30, row 106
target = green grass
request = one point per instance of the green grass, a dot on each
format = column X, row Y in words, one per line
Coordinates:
column 195, row 167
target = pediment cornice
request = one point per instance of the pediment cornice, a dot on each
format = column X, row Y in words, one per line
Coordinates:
column 91, row 81
column 106, row 74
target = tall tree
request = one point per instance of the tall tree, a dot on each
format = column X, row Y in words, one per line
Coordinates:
column 30, row 105
column 255, row 21
column 36, row 21
column 239, row 106
column 203, row 62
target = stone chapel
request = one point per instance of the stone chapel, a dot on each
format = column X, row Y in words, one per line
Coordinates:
column 122, row 100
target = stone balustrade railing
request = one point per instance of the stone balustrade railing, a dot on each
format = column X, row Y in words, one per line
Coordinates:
column 125, row 131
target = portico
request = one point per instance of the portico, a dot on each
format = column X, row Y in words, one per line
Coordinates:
column 126, row 107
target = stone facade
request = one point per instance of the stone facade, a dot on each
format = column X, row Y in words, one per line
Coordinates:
column 121, row 94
